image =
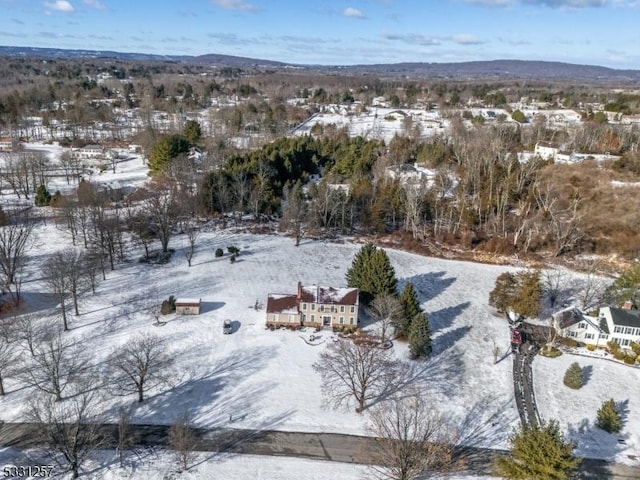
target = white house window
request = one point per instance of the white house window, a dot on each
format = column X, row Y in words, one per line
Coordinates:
column 341, row 308
column 572, row 334
column 313, row 318
column 353, row 309
column 304, row 306
column 604, row 336
column 274, row 317
column 617, row 330
column 313, row 306
column 582, row 325
column 341, row 320
column 628, row 331
column 625, row 342
column 351, row 320
column 304, row 317
column 588, row 336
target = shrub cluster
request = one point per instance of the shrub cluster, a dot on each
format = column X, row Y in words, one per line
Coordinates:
column 168, row 306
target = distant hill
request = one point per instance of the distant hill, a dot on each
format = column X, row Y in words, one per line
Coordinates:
column 479, row 70
column 503, row 69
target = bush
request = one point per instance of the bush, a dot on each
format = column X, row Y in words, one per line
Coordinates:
column 232, row 258
column 568, row 342
column 619, row 355
column 630, row 359
column 219, row 252
column 608, row 418
column 233, row 250
column 168, row 306
column 549, row 351
column 573, row 376
column 613, row 346
column 635, row 347
column 591, row 348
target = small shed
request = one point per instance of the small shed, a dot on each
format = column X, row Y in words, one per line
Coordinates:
column 188, row 306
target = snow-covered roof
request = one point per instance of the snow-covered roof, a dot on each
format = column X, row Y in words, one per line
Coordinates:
column 188, row 301
column 329, row 295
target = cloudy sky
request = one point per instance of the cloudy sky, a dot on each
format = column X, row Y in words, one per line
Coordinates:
column 339, row 32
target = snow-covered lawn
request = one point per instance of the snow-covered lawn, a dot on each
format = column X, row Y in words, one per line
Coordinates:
column 256, row 378
column 157, row 464
column 264, row 379
column 576, row 409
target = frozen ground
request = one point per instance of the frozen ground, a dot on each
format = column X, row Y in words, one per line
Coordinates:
column 255, row 378
column 160, row 465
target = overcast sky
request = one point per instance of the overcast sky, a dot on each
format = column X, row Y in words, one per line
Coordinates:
column 339, row 32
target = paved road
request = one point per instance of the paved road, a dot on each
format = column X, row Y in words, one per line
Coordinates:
column 320, row 446
column 523, row 385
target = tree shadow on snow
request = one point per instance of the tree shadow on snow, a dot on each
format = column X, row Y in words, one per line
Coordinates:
column 587, row 373
column 428, row 285
column 593, row 442
column 438, row 373
column 444, row 318
column 214, row 397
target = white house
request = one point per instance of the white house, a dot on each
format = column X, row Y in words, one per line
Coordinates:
column 546, row 150
column 89, row 151
column 621, row 325
column 6, row 144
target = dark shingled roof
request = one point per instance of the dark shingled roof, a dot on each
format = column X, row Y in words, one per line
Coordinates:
column 568, row 317
column 281, row 303
column 603, row 326
column 625, row 318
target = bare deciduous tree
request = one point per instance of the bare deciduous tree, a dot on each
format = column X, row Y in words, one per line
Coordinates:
column 384, row 310
column 163, row 209
column 125, row 435
column 554, row 281
column 140, row 364
column 8, row 352
column 294, row 211
column 358, row 369
column 65, row 274
column 192, row 233
column 183, row 441
column 411, row 438
column 70, row 430
column 57, row 363
column 16, row 238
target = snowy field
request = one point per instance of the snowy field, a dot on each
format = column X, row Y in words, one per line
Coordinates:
column 160, row 465
column 576, row 409
column 259, row 379
column 377, row 123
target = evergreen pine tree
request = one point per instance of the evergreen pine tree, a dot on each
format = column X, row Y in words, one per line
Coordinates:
column 420, row 336
column 608, row 418
column 573, row 376
column 539, row 452
column 501, row 297
column 43, row 197
column 356, row 275
column 410, row 309
column 381, row 275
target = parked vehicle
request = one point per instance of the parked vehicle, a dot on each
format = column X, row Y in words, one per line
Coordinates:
column 227, row 327
column 516, row 339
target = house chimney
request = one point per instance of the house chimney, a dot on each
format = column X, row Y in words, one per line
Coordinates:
column 299, row 291
column 628, row 305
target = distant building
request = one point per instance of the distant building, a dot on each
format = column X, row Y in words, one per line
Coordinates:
column 6, row 144
column 546, row 150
